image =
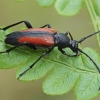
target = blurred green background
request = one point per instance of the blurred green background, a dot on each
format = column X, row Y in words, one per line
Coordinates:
column 11, row 11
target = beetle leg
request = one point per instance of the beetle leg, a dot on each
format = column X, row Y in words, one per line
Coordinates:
column 47, row 25
column 69, row 35
column 8, row 50
column 64, row 53
column 31, row 66
column 9, row 26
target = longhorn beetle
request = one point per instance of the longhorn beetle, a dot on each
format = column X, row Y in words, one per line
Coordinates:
column 44, row 37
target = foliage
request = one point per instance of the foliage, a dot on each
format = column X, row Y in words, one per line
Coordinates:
column 64, row 72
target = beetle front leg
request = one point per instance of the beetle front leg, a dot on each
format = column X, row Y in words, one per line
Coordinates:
column 28, row 25
column 69, row 35
column 64, row 53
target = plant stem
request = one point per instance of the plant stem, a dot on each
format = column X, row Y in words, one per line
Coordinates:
column 94, row 17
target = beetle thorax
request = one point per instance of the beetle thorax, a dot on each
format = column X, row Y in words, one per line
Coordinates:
column 62, row 40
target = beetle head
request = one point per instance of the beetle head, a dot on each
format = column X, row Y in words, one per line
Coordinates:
column 74, row 45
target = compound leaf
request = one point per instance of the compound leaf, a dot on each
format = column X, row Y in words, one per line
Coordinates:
column 64, row 72
column 86, row 81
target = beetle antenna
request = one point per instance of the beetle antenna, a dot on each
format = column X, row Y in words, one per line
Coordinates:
column 90, row 59
column 88, row 36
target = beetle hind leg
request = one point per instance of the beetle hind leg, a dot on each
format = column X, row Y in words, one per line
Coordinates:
column 12, row 48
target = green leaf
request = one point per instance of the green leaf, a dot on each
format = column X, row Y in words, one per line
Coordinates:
column 79, row 72
column 88, row 83
column 92, row 53
column 45, row 3
column 64, row 72
column 40, row 69
column 96, row 4
column 68, row 7
column 60, row 80
column 15, row 58
column 63, row 7
column 87, row 86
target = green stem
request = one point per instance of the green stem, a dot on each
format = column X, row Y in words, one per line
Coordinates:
column 94, row 17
